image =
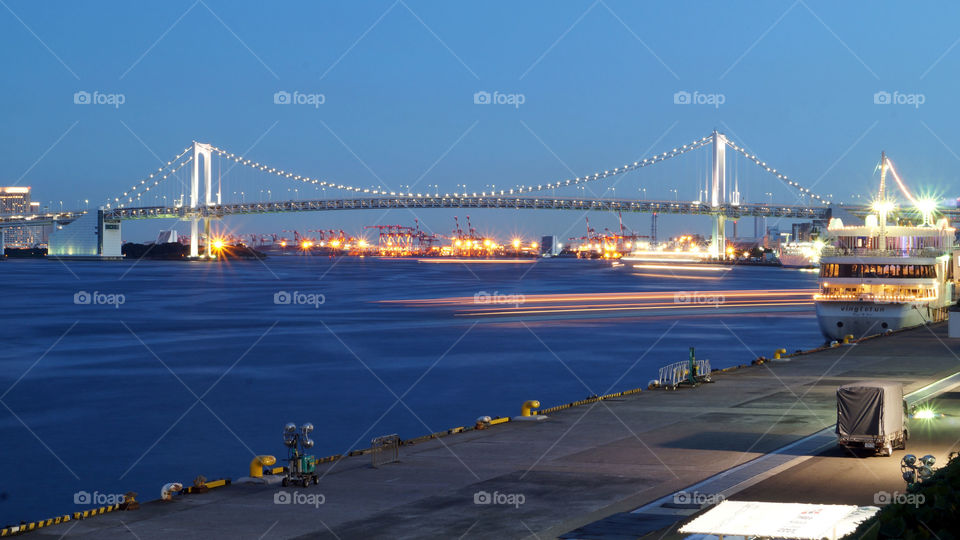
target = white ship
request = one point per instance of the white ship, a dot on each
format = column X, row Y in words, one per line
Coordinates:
column 801, row 254
column 879, row 277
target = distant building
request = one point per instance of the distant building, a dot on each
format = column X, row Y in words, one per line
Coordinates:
column 549, row 247
column 167, row 237
column 15, row 200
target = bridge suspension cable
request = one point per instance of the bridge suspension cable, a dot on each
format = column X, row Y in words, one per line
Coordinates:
column 172, row 166
column 302, row 178
column 678, row 151
column 138, row 189
column 782, row 177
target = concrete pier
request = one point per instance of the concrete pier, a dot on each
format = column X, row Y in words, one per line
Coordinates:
column 586, row 471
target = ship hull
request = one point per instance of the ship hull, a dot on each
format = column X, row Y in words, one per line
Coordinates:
column 838, row 319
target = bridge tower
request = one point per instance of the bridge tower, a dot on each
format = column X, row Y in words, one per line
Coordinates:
column 206, row 152
column 718, row 190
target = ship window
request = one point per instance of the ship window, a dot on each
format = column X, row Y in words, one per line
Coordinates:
column 905, row 271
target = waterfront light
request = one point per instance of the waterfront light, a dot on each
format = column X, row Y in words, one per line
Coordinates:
column 218, row 244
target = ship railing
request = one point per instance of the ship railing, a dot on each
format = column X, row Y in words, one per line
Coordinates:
column 385, row 449
column 832, row 251
column 679, row 372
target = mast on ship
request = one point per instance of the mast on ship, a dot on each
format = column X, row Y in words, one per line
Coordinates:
column 881, row 205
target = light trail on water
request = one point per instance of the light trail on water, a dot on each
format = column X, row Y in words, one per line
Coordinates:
column 517, row 304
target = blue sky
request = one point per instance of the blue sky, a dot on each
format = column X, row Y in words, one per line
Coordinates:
column 598, row 80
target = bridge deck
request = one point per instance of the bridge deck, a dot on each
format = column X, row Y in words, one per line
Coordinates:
column 527, row 203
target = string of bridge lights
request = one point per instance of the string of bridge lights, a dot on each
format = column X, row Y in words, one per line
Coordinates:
column 138, row 189
column 157, row 177
column 305, row 179
column 522, row 189
column 680, row 150
column 774, row 172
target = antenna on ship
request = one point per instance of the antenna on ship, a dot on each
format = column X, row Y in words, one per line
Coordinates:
column 882, row 206
column 883, row 176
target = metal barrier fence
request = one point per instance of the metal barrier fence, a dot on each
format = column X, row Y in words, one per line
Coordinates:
column 385, row 449
column 678, row 372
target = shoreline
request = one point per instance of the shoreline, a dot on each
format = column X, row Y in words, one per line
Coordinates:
column 341, row 466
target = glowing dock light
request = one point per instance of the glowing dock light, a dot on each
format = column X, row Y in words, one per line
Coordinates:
column 217, row 244
column 306, row 244
column 516, row 243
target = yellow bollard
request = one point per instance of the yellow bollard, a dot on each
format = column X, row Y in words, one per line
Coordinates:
column 847, row 338
column 527, row 406
column 778, row 352
column 258, row 463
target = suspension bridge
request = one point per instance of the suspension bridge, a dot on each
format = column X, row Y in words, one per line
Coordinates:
column 201, row 198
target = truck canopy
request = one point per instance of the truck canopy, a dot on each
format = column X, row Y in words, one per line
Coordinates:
column 870, row 409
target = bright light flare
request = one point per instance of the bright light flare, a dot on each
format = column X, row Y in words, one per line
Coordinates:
column 217, row 244
column 926, row 206
column 925, row 414
column 886, row 206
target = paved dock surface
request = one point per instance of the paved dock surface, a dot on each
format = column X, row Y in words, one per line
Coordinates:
column 579, row 467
